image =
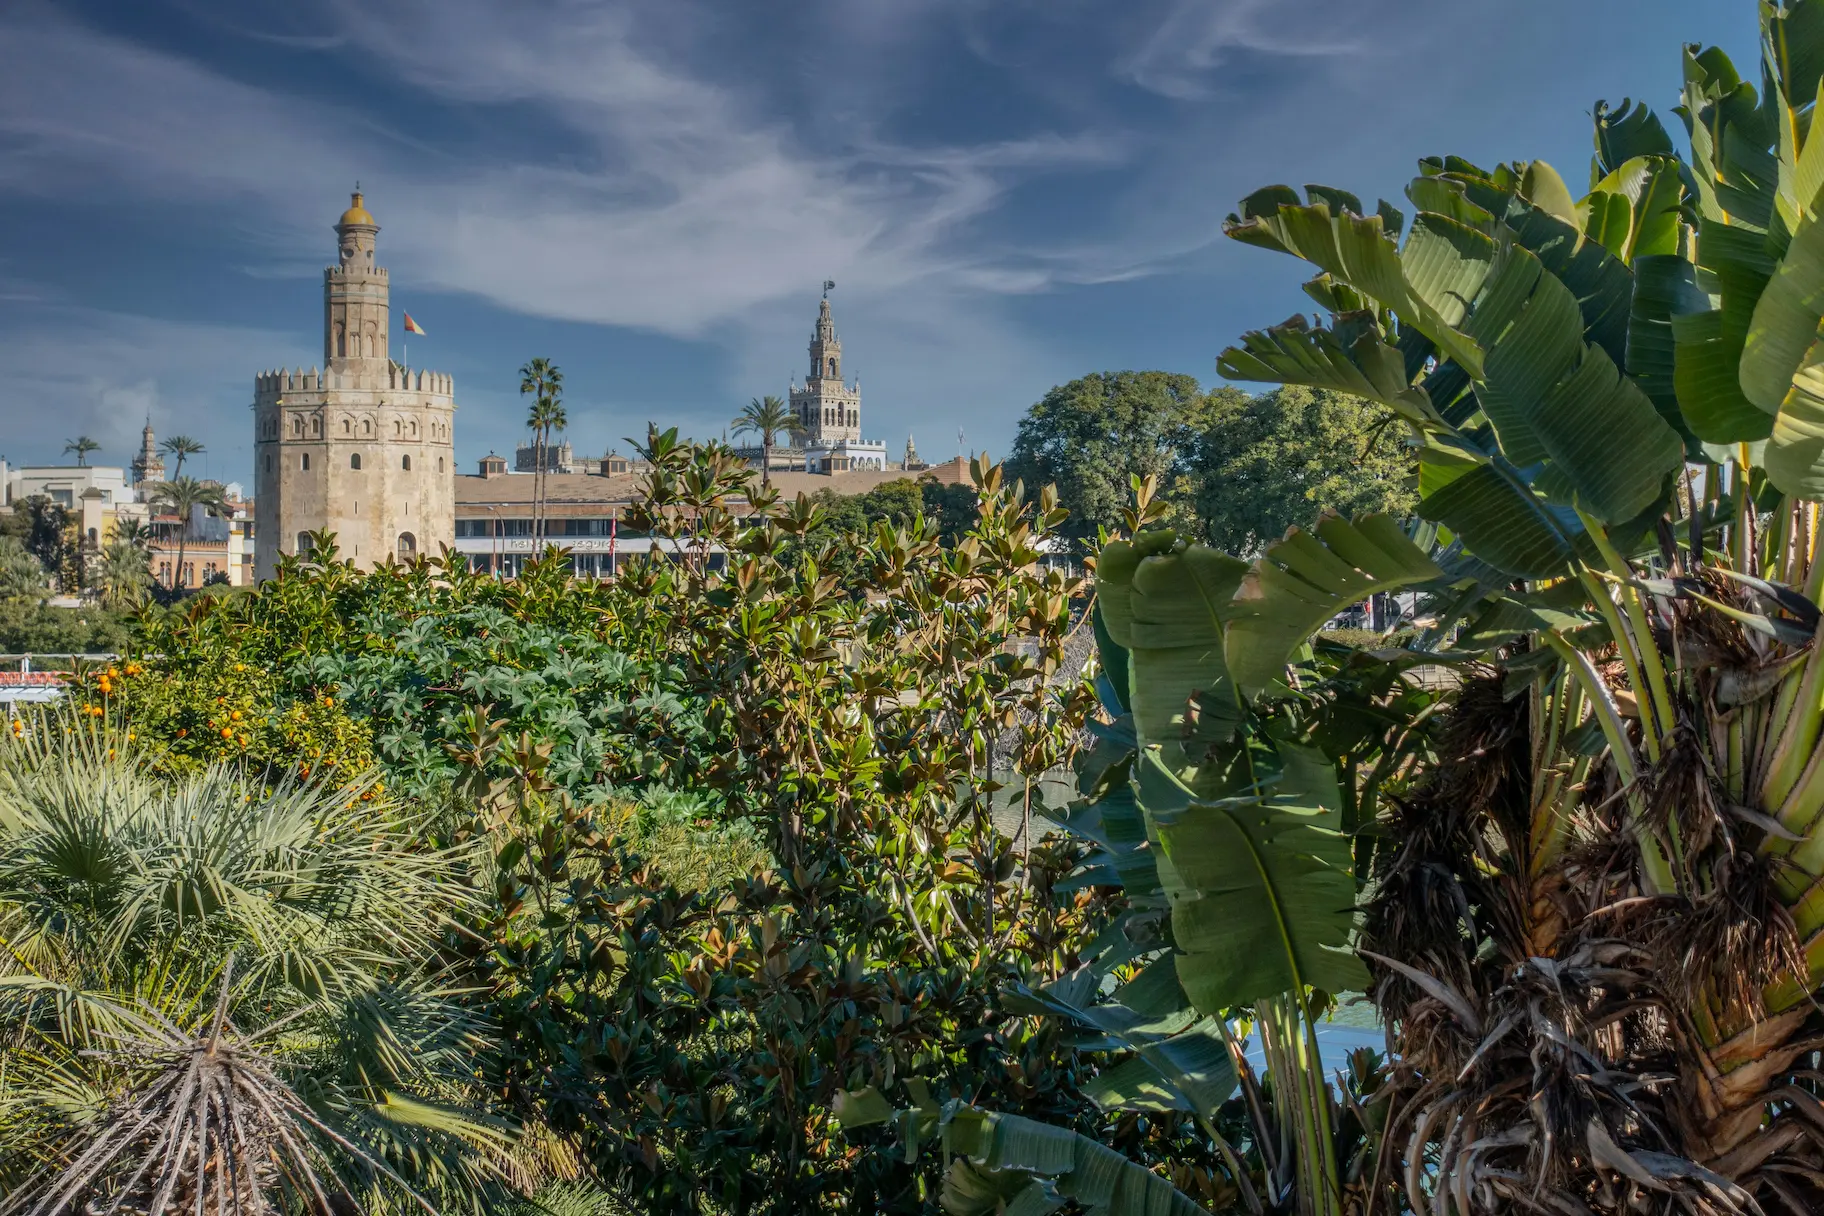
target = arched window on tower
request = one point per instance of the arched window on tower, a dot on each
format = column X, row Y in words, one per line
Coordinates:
column 341, row 340
column 832, row 366
column 303, row 544
column 316, row 427
column 405, row 462
column 408, row 546
column 354, row 461
column 304, row 461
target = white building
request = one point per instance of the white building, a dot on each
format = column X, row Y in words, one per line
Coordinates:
column 845, row 456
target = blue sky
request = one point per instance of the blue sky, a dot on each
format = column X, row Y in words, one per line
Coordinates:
column 1008, row 193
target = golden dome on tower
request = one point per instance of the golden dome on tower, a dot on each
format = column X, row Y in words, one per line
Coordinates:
column 356, row 214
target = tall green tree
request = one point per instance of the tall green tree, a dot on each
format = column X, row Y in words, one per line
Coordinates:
column 180, row 446
column 1274, row 461
column 82, row 445
column 541, row 380
column 48, row 531
column 182, row 498
column 766, row 417
column 1089, row 437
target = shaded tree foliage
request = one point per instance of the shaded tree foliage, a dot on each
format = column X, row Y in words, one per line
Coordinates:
column 1271, row 462
column 1090, row 436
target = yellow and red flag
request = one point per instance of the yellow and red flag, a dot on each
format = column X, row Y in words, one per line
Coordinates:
column 411, row 326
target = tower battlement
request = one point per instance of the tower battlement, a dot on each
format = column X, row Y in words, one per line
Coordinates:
column 343, row 274
column 269, row 385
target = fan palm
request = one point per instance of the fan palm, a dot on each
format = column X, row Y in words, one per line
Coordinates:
column 766, row 417
column 541, row 380
column 224, row 992
column 181, row 446
column 182, row 497
column 82, row 445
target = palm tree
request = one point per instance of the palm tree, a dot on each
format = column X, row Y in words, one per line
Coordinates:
column 766, row 417
column 134, row 532
column 544, row 383
column 21, row 573
column 82, row 445
column 122, row 573
column 181, row 497
column 181, row 446
column 310, row 905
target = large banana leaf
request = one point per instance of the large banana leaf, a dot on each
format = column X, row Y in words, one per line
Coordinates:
column 1179, row 1062
column 1167, row 608
column 1015, row 1166
column 1304, row 580
column 1350, row 358
column 1264, row 898
column 1429, row 282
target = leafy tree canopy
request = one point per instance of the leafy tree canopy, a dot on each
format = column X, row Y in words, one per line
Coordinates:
column 1090, row 436
column 1271, row 462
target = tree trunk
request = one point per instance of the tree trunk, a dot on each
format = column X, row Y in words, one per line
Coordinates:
column 766, row 461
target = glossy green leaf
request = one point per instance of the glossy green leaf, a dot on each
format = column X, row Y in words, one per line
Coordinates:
column 1627, row 132
column 1498, row 517
column 1706, row 365
column 1264, row 898
column 1785, row 322
column 1307, row 578
column 1353, row 358
column 1665, row 286
column 1169, row 611
column 1795, row 451
column 1099, row 1179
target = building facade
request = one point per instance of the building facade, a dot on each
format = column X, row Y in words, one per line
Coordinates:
column 363, row 447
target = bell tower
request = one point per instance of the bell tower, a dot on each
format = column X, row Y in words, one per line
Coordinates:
column 828, row 407
column 355, row 295
column 826, row 347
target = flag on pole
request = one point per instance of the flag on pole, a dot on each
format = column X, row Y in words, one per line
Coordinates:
column 412, row 327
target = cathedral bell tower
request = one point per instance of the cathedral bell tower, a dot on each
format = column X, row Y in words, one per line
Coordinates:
column 828, row 408
column 355, row 294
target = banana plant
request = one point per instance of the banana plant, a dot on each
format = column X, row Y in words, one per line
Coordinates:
column 1618, row 416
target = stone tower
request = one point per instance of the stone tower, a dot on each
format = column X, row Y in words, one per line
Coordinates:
column 363, row 447
column 828, row 409
column 149, row 465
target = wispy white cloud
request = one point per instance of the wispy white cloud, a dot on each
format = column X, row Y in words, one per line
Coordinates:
column 672, row 204
column 1192, row 38
column 67, row 371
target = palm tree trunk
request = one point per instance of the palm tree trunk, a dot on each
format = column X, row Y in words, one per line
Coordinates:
column 177, row 571
column 766, row 460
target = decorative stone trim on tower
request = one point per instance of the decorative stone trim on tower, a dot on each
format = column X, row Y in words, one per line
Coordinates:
column 362, row 448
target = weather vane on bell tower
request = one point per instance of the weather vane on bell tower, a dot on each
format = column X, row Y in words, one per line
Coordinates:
column 828, row 286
